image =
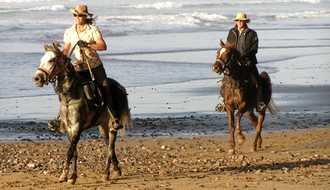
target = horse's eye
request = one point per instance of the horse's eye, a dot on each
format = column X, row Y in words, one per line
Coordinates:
column 51, row 60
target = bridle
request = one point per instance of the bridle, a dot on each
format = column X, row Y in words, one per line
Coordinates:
column 51, row 75
column 227, row 66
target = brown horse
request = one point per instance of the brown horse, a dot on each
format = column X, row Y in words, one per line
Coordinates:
column 77, row 113
column 240, row 94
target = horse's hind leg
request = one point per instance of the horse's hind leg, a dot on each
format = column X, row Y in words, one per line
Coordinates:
column 111, row 157
column 252, row 118
column 108, row 158
column 258, row 140
column 240, row 136
column 116, row 168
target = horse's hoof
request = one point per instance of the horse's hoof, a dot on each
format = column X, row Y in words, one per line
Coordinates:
column 259, row 145
column 240, row 139
column 231, row 151
column 105, row 178
column 254, row 149
column 63, row 178
column 116, row 173
column 72, row 181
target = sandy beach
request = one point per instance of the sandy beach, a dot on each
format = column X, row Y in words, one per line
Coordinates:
column 295, row 159
column 162, row 52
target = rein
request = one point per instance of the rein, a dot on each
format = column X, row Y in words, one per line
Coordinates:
column 74, row 47
column 84, row 58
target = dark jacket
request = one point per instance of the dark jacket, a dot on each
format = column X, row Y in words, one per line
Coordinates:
column 249, row 48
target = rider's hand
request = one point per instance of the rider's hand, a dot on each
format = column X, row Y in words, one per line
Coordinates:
column 82, row 44
column 248, row 63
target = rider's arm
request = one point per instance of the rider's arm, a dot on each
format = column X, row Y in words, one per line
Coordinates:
column 252, row 44
column 66, row 48
column 98, row 45
column 251, row 49
column 232, row 38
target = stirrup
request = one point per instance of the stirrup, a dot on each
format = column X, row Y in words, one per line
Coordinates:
column 261, row 106
column 220, row 107
column 116, row 125
column 54, row 125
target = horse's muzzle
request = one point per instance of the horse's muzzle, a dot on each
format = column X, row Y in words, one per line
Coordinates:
column 39, row 79
column 217, row 68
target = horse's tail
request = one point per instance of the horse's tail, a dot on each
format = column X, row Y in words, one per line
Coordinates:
column 267, row 92
column 120, row 103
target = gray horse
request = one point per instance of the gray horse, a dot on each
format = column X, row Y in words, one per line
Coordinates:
column 77, row 113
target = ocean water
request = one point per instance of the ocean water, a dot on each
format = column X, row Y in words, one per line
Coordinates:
column 162, row 52
column 158, row 43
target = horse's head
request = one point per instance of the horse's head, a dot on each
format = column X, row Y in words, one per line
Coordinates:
column 226, row 59
column 51, row 65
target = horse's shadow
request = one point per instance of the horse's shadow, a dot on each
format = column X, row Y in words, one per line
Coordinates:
column 275, row 166
column 250, row 168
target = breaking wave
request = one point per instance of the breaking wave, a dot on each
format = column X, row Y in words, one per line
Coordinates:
column 174, row 5
column 47, row 8
column 23, row 1
column 184, row 19
column 33, row 9
column 296, row 15
column 158, row 5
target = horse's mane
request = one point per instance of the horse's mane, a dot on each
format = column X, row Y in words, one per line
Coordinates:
column 229, row 46
column 55, row 47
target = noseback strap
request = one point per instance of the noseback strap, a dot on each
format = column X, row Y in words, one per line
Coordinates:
column 42, row 70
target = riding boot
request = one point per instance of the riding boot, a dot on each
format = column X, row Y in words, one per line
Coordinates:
column 108, row 100
column 92, row 94
column 260, row 98
column 55, row 125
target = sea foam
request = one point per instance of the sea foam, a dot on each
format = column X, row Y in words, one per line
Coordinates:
column 304, row 14
column 47, row 8
column 159, row 5
column 22, row 1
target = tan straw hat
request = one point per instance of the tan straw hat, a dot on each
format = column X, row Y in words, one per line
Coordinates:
column 241, row 16
column 81, row 10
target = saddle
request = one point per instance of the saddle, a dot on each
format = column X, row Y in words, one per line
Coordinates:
column 93, row 94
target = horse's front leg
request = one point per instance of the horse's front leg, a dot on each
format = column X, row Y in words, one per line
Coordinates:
column 111, row 157
column 65, row 172
column 240, row 135
column 73, row 177
column 258, row 140
column 231, row 131
column 71, row 156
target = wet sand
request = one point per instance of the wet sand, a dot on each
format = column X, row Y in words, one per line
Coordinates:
column 289, row 159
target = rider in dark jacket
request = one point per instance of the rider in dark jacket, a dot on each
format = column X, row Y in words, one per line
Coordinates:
column 246, row 42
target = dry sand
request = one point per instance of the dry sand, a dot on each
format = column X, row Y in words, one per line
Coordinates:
column 289, row 159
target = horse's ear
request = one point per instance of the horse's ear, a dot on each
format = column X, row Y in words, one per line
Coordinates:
column 222, row 44
column 231, row 45
column 47, row 47
column 56, row 46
